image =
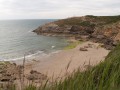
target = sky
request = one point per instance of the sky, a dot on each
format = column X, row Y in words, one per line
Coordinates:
column 56, row 9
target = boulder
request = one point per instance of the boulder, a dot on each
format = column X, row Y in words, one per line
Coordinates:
column 108, row 47
column 83, row 49
column 34, row 75
column 7, row 78
column 90, row 45
column 86, row 46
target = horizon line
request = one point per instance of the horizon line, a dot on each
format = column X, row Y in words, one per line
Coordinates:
column 54, row 18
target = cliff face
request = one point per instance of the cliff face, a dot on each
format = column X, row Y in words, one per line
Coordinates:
column 94, row 28
column 111, row 30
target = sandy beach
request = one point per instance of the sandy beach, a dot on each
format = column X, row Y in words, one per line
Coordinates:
column 56, row 64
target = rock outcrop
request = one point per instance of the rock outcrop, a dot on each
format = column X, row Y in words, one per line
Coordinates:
column 36, row 76
column 103, row 29
column 111, row 30
column 10, row 74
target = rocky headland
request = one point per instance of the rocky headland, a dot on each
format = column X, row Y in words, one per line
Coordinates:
column 101, row 29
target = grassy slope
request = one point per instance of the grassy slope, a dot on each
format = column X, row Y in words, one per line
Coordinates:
column 99, row 20
column 105, row 76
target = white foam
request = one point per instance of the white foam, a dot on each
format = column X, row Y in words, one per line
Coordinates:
column 30, row 56
column 52, row 47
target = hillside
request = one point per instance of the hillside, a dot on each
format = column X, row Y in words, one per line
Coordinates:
column 103, row 29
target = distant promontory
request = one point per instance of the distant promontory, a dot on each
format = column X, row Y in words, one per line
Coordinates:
column 102, row 29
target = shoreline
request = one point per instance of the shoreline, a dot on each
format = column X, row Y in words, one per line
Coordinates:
column 34, row 57
column 56, row 63
column 41, row 54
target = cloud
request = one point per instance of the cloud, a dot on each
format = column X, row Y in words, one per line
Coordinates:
column 19, row 9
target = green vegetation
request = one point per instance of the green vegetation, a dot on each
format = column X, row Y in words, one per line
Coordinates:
column 75, row 21
column 105, row 19
column 72, row 45
column 105, row 76
column 87, row 23
column 91, row 16
column 31, row 87
column 108, row 19
column 69, row 21
column 96, row 20
column 4, row 62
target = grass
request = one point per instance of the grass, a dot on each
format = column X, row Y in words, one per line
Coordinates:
column 72, row 45
column 31, row 87
column 4, row 62
column 101, row 20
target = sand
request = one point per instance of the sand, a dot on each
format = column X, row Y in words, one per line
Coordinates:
column 56, row 64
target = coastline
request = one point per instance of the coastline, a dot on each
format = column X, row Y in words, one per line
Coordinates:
column 56, row 63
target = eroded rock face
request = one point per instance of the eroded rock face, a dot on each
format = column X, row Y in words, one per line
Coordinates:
column 67, row 30
column 47, row 28
column 111, row 31
column 81, row 30
column 52, row 28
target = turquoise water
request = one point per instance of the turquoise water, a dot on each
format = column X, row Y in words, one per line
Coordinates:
column 17, row 39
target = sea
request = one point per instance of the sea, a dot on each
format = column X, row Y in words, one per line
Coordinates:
column 17, row 39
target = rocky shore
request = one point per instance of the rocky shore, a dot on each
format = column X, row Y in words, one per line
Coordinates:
column 12, row 74
column 102, row 29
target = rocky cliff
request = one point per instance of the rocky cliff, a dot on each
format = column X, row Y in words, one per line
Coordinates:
column 104, row 29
